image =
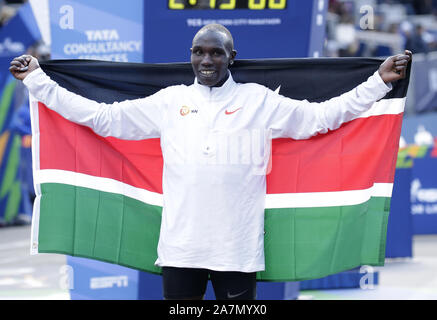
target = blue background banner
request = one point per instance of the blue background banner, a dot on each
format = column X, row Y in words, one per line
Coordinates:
column 424, row 195
column 92, row 29
column 16, row 37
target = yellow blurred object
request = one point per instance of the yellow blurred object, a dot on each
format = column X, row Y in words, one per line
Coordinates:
column 3, row 142
column 26, row 141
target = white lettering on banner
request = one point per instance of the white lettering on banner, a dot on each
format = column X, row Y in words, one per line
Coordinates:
column 417, row 209
column 67, row 20
column 195, row 22
column 9, row 46
column 367, row 20
column 102, row 35
column 102, row 47
column 424, row 209
column 420, row 194
column 428, row 197
column 367, row 281
column 108, row 282
column 119, row 57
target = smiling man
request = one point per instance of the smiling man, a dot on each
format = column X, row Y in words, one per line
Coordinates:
column 213, row 214
column 211, row 55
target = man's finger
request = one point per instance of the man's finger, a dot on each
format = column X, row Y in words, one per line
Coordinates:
column 402, row 57
column 22, row 60
column 400, row 68
column 16, row 63
column 401, row 62
column 19, row 69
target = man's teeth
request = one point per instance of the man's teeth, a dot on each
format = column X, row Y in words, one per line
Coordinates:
column 207, row 72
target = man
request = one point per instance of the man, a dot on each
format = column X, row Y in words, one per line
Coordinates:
column 213, row 214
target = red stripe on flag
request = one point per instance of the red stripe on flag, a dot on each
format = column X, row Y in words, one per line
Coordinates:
column 362, row 152
column 79, row 149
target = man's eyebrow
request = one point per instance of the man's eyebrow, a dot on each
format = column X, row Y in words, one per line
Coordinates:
column 219, row 49
column 210, row 48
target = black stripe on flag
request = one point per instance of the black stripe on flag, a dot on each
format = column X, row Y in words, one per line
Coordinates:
column 305, row 78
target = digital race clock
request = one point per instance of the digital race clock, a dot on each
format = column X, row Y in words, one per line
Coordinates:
column 227, row 4
column 260, row 28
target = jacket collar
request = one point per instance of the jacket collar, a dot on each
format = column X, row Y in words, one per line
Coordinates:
column 216, row 93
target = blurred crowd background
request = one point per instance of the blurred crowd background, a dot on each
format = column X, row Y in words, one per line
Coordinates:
column 396, row 25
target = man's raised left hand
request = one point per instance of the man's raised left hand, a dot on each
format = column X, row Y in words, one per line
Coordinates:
column 395, row 67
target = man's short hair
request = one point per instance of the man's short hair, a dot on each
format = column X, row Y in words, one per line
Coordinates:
column 215, row 27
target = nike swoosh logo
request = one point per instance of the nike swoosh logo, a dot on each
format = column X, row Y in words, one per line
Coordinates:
column 232, row 296
column 231, row 112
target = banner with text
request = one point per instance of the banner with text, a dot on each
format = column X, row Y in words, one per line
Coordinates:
column 92, row 29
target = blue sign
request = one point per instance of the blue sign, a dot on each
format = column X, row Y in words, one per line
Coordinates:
column 98, row 30
column 261, row 28
column 399, row 229
column 95, row 280
column 424, row 195
column 16, row 37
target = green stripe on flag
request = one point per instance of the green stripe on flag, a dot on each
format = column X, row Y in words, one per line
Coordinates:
column 110, row 227
column 94, row 224
column 317, row 242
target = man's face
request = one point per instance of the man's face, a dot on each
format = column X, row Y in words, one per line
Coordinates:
column 210, row 58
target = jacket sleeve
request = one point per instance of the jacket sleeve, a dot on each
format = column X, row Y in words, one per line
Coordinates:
column 131, row 119
column 300, row 119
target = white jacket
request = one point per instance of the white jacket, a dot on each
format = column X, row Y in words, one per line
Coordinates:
column 215, row 144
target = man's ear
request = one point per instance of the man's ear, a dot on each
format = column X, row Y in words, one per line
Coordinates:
column 233, row 54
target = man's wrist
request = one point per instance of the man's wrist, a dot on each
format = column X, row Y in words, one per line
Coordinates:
column 379, row 76
column 32, row 74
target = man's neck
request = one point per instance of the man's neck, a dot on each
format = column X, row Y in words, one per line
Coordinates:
column 221, row 82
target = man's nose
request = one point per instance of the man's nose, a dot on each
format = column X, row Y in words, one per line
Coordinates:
column 207, row 61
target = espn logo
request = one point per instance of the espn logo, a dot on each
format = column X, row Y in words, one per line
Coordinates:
column 108, row 282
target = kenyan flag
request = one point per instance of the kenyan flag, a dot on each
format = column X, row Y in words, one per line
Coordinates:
column 328, row 197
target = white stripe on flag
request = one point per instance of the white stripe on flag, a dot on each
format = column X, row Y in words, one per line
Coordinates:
column 98, row 183
column 281, row 200
column 328, row 199
column 385, row 106
column 34, row 119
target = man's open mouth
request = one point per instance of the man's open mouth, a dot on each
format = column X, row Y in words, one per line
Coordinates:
column 207, row 73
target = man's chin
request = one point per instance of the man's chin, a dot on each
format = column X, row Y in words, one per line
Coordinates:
column 207, row 82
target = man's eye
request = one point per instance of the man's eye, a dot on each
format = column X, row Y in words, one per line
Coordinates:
column 198, row 52
column 217, row 53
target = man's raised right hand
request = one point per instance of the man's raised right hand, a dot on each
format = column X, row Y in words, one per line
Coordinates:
column 23, row 65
